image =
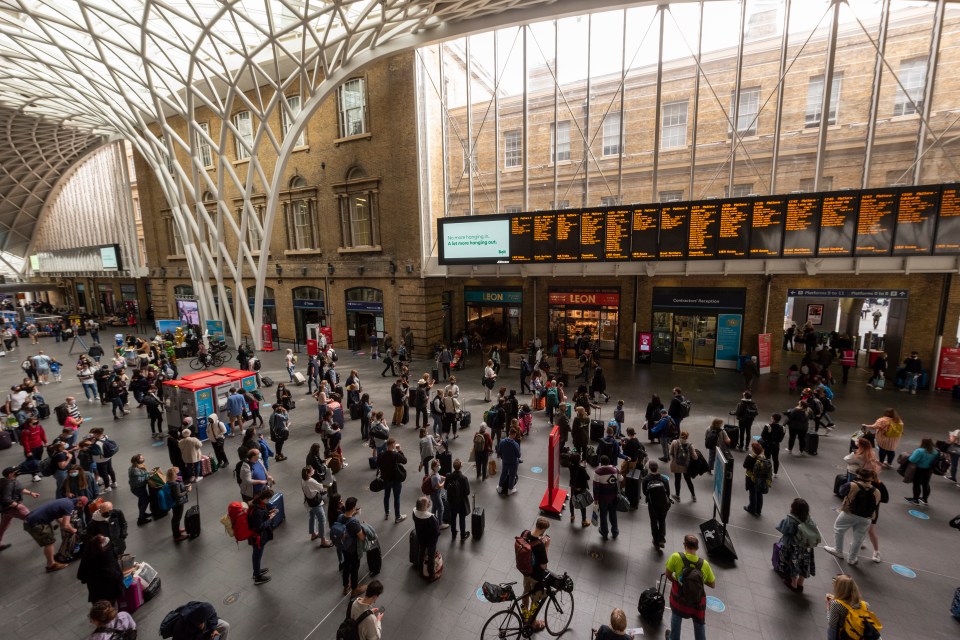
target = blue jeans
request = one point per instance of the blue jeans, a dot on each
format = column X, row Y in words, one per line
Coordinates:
column 436, row 498
column 143, row 501
column 954, row 459
column 257, row 557
column 90, row 390
column 317, row 519
column 437, row 423
column 699, row 628
column 394, row 487
column 117, row 405
column 290, row 371
column 912, row 380
column 608, row 510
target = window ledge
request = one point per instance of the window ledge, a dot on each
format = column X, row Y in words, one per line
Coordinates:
column 178, row 256
column 237, row 163
column 513, row 169
column 904, row 117
column 359, row 136
column 303, row 147
column 364, row 249
column 302, row 252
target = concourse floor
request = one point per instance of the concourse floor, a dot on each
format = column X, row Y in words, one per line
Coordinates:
column 303, row 600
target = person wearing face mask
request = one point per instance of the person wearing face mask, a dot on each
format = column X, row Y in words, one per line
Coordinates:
column 137, row 476
column 79, row 483
column 109, row 523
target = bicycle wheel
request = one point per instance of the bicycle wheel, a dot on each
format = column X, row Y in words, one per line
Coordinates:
column 503, row 625
column 225, row 355
column 216, row 360
column 558, row 612
column 195, row 364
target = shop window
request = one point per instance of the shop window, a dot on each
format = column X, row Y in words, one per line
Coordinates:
column 290, row 114
column 308, row 293
column 913, row 77
column 674, row 126
column 512, row 149
column 352, row 102
column 204, row 152
column 560, row 141
column 748, row 114
column 358, row 197
column 243, row 134
column 612, row 136
column 300, row 213
column 815, row 100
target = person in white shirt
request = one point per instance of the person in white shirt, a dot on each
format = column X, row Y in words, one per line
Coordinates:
column 452, row 386
column 489, row 380
column 368, row 624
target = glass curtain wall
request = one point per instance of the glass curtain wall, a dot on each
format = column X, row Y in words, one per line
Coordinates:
column 645, row 104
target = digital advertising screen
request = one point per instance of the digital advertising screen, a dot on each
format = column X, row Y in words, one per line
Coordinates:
column 478, row 241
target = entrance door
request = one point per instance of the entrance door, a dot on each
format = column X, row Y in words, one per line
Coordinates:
column 705, row 341
column 364, row 324
column 683, row 330
column 489, row 323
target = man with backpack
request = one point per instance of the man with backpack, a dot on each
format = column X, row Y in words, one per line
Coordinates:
column 606, row 492
column 688, row 574
column 656, row 489
column 508, row 450
column 666, row 430
column 530, row 549
column 745, row 413
column 194, row 621
column 363, row 618
column 770, row 437
column 679, row 407
column 525, row 372
column 859, row 506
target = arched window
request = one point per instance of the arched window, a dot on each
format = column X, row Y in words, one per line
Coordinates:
column 300, row 214
column 307, row 293
column 183, row 290
column 267, row 293
column 364, row 294
column 208, row 197
column 359, row 207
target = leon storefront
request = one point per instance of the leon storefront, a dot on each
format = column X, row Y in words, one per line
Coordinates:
column 596, row 313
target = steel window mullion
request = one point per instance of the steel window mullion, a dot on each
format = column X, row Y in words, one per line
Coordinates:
column 556, row 114
column 445, row 143
column 875, row 97
column 735, row 138
column 623, row 84
column 469, row 72
column 784, row 44
column 496, row 116
column 586, row 128
column 931, row 79
column 696, row 109
column 825, row 97
column 658, row 105
column 525, row 130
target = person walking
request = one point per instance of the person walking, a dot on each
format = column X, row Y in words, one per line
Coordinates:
column 508, row 450
column 482, row 448
column 217, row 432
column 313, row 493
column 665, row 430
column 923, row 457
column 179, row 497
column 656, row 491
column 428, row 449
column 525, row 371
column 390, row 464
column 799, row 537
column 682, row 453
column 279, row 429
column 889, row 428
column 458, row 500
column 770, row 437
column 427, row 527
column 11, row 501
column 872, row 531
column 715, row 436
column 368, row 617
column 745, row 413
column 290, row 361
column 688, row 575
column 155, row 409
column 750, row 372
column 137, row 476
column 798, row 423
column 580, row 495
column 606, row 491
column 859, row 504
column 677, row 410
column 759, row 475
column 259, row 518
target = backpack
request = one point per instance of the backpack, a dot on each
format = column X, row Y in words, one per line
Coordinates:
column 940, row 465
column 479, row 443
column 338, row 532
column 606, row 448
column 47, row 468
column 379, row 432
column 808, row 534
column 426, row 486
column 863, row 503
column 237, row 513
column 523, row 550
column 236, row 471
column 658, row 494
column 691, row 582
column 26, row 365
column 895, row 430
column 552, row 399
column 750, row 411
column 170, row 621
column 257, row 365
column 711, row 439
column 62, row 413
column 349, row 628
column 682, row 457
column 109, row 447
column 685, row 406
column 118, row 634
column 859, row 624
column 763, row 474
column 775, row 432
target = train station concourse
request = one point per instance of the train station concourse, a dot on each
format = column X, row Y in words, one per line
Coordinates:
column 726, row 197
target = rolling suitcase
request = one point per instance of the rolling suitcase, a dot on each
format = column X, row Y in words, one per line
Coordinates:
column 374, row 560
column 205, row 467
column 43, row 410
column 813, row 443
column 437, row 568
column 414, row 547
column 596, row 430
column 157, row 509
column 652, row 603
column 191, row 520
column 299, row 379
column 132, row 598
column 632, row 488
column 838, row 482
column 478, row 519
column 464, row 419
column 267, row 381
column 276, row 502
column 5, row 440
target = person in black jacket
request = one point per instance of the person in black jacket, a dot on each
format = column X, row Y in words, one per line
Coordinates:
column 427, row 528
column 770, row 437
column 109, row 523
column 199, row 621
column 389, row 464
column 746, row 413
column 259, row 518
column 798, row 423
column 676, row 407
column 579, row 485
column 656, row 489
column 458, row 500
column 100, row 571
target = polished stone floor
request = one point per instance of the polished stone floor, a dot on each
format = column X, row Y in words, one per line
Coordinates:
column 303, row 600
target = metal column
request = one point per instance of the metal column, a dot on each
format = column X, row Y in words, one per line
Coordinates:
column 875, row 98
column 469, row 149
column 658, row 105
column 784, row 42
column 735, row 138
column 931, row 80
column 825, row 98
column 525, row 126
column 696, row 110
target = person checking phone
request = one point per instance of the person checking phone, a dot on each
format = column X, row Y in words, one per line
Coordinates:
column 368, row 624
column 259, row 518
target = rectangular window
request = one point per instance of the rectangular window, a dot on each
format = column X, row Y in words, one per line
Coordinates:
column 352, row 99
column 739, row 191
column 512, row 209
column 815, row 100
column 671, row 196
column 749, row 109
column 826, row 184
column 674, row 133
column 913, row 77
column 611, row 135
column 294, row 103
column 254, row 235
column 143, row 251
column 560, row 141
column 302, row 225
column 469, row 162
column 361, row 232
column 243, row 135
column 562, row 204
column 136, row 210
column 203, row 147
column 512, row 148
column 609, row 201
column 174, row 241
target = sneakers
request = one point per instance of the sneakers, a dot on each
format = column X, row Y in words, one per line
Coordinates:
column 912, row 501
column 444, row 526
column 4, row 546
column 676, row 498
column 833, row 551
column 465, row 535
column 923, row 502
column 106, row 490
column 913, row 392
column 511, row 492
column 402, row 518
column 261, row 579
column 37, row 477
column 693, row 498
column 56, row 566
column 876, row 556
column 852, row 562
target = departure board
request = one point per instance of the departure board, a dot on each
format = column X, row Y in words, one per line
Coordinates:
column 521, row 238
column 592, row 238
column 838, row 218
column 766, row 227
column 644, row 233
column 733, row 237
column 800, row 226
column 674, row 220
column 704, row 224
column 617, row 237
column 878, row 213
column 948, row 227
column 544, row 237
column 568, row 237
column 916, row 221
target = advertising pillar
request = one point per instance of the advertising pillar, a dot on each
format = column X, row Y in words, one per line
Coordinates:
column 765, row 343
column 554, row 497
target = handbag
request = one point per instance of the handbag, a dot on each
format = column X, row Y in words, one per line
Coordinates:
column 401, row 472
column 582, row 500
column 623, row 505
column 492, row 468
column 376, row 485
column 595, row 517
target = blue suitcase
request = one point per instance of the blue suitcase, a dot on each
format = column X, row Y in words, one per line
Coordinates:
column 276, row 502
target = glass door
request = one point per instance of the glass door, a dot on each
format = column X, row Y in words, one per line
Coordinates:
column 663, row 337
column 683, row 330
column 705, row 341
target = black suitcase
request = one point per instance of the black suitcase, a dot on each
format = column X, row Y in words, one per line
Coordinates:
column 652, row 603
column 813, row 443
column 6, row 441
column 446, row 463
column 414, row 547
column 478, row 520
column 838, row 482
column 597, row 429
column 267, row 381
column 632, row 488
column 43, row 410
column 191, row 520
column 464, row 419
column 374, row 561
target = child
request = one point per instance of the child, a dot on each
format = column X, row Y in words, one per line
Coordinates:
column 526, row 419
column 619, row 416
column 55, row 370
column 793, row 378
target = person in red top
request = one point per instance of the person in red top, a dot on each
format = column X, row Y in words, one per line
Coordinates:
column 33, row 438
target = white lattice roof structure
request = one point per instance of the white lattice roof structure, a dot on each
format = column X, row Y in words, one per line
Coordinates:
column 75, row 73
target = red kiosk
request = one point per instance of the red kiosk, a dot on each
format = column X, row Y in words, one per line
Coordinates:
column 554, row 497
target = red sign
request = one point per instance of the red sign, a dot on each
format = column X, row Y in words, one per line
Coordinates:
column 328, row 332
column 948, row 373
column 644, row 342
column 585, row 299
column 554, row 496
column 266, row 335
column 764, row 351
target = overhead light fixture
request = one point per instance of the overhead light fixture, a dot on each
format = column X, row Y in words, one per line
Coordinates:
column 303, row 271
column 279, row 270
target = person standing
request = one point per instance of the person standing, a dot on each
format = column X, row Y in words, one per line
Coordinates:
column 451, row 408
column 11, row 501
column 253, row 476
column 606, row 491
column 688, row 575
column 860, row 502
column 421, row 403
column 580, row 431
column 889, row 428
column 750, row 372
column 508, row 450
column 438, row 493
column 217, row 432
column 798, row 423
column 191, row 449
column 580, row 494
column 872, row 530
column 770, row 437
column 368, row 617
column 390, row 464
column 525, row 372
column 235, row 407
column 482, row 448
column 397, row 397
column 313, row 374
column 100, row 570
column 259, row 518
column 923, row 457
column 179, row 496
column 799, row 537
column 353, row 534
column 745, row 413
column 111, row 524
column 279, row 429
column 759, row 474
column 33, row 439
column 458, row 500
column 290, row 361
column 953, row 440
column 665, row 430
column 682, row 453
column 427, row 527
column 715, row 436
column 428, row 449
column 913, row 370
column 656, row 490
column 489, row 380
column 137, row 476
column 154, row 406
column 677, row 410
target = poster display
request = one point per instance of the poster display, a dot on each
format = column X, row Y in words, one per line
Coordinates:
column 764, row 352
column 729, row 327
column 215, row 330
column 948, row 373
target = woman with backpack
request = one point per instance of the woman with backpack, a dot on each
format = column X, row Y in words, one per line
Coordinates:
column 716, row 436
column 889, row 428
column 681, row 454
column 846, row 609
column 794, row 557
column 580, row 495
column 859, row 505
column 864, row 457
column 482, row 448
column 110, row 623
column 872, row 530
column 759, row 475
